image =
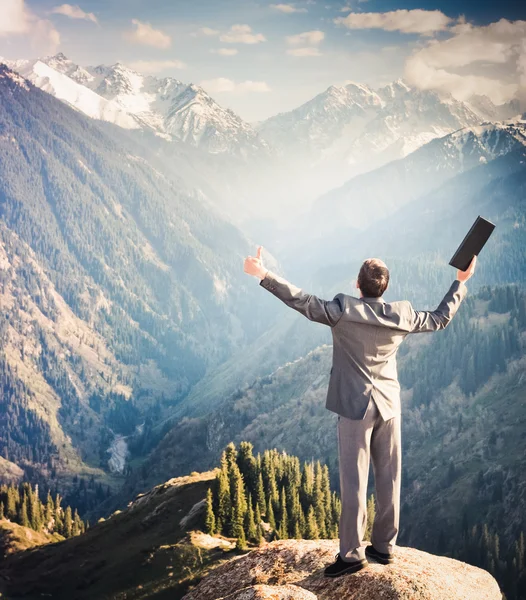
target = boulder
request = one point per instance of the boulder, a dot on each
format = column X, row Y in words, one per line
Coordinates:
column 293, row 570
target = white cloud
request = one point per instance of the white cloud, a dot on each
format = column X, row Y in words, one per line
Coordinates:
column 208, row 31
column 18, row 19
column 225, row 51
column 466, row 63
column 242, row 34
column 145, row 34
column 420, row 21
column 221, row 84
column 307, row 38
column 521, row 68
column 288, row 8
column 73, row 12
column 156, row 66
column 302, row 52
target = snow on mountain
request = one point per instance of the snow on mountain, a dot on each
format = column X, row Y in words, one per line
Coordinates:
column 487, row 111
column 381, row 192
column 168, row 107
column 59, row 84
column 354, row 123
column 315, row 125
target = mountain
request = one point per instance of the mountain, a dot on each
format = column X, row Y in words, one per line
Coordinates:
column 156, row 559
column 353, row 129
column 354, row 123
column 368, row 197
column 168, row 107
column 120, row 285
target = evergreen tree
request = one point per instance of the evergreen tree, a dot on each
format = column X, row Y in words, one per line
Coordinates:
column 270, row 515
column 68, row 523
column 371, row 512
column 260, row 493
column 283, row 530
column 311, row 532
column 210, row 521
column 224, row 502
column 250, row 526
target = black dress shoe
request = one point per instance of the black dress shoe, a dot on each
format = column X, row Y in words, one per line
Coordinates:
column 342, row 567
column 381, row 557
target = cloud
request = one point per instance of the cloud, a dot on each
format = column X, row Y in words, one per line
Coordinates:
column 424, row 22
column 156, row 66
column 242, row 34
column 302, row 52
column 225, row 51
column 288, row 8
column 521, row 68
column 208, row 31
column 145, row 34
column 307, row 38
column 74, row 12
column 221, row 84
column 18, row 19
column 487, row 60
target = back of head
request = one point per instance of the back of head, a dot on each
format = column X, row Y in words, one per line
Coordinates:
column 373, row 278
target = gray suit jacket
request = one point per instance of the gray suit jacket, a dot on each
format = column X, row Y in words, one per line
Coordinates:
column 366, row 334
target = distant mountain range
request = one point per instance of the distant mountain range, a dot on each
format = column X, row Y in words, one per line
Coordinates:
column 168, row 107
column 348, row 130
column 295, row 156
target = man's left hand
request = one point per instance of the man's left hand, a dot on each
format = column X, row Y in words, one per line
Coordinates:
column 254, row 265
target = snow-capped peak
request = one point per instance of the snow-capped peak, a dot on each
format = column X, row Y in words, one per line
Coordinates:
column 61, row 63
column 7, row 73
column 123, row 96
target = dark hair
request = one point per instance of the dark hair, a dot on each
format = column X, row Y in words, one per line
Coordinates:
column 373, row 278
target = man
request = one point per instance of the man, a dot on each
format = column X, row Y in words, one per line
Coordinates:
column 365, row 393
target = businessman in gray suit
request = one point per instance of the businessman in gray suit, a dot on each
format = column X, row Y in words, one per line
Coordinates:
column 365, row 393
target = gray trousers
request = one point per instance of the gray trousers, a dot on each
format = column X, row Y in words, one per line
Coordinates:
column 361, row 440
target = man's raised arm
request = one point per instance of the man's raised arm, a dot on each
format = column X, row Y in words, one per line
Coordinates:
column 421, row 321
column 327, row 312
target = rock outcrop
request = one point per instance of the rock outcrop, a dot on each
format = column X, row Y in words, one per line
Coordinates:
column 293, row 570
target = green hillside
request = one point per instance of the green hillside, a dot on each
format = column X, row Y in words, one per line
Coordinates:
column 150, row 550
column 120, row 286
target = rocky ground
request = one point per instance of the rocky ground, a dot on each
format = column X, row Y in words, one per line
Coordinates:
column 293, row 570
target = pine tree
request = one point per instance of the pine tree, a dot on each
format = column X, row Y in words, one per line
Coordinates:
column 68, row 523
column 247, row 464
column 23, row 518
column 259, row 528
column 311, row 532
column 210, row 521
column 319, row 500
column 283, row 530
column 11, row 512
column 250, row 525
column 239, row 508
column 270, row 515
column 48, row 514
column 371, row 512
column 260, row 493
column 224, row 502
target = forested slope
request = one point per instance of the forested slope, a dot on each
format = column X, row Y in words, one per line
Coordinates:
column 119, row 285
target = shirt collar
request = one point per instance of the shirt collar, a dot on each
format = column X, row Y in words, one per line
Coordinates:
column 372, row 299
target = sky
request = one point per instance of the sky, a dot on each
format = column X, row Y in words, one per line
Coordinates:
column 263, row 58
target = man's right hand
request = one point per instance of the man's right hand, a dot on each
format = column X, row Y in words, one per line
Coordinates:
column 465, row 275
